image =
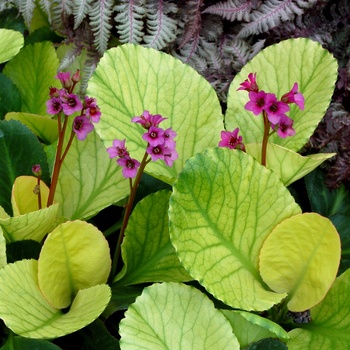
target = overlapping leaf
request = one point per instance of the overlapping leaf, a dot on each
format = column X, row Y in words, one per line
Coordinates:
column 11, row 42
column 175, row 316
column 278, row 67
column 223, row 207
column 130, row 79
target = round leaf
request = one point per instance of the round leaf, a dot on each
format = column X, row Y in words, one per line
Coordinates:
column 74, row 256
column 147, row 251
column 11, row 42
column 26, row 312
column 175, row 316
column 223, row 207
column 301, row 257
column 278, row 67
column 130, row 79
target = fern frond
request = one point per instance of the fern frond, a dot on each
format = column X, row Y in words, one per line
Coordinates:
column 129, row 21
column 46, row 6
column 272, row 13
column 160, row 27
column 60, row 9
column 231, row 10
column 100, row 16
column 80, row 9
column 89, row 67
column 237, row 49
column 70, row 57
column 26, row 8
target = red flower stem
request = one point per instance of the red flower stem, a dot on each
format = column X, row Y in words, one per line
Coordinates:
column 72, row 134
column 265, row 139
column 128, row 209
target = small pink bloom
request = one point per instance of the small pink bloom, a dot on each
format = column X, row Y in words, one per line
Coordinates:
column 156, row 152
column 54, row 105
column 154, row 136
column 70, row 103
column 118, row 149
column 284, row 127
column 147, row 120
column 293, row 96
column 82, row 126
column 94, row 113
column 250, row 83
column 275, row 108
column 130, row 166
column 76, row 76
column 169, row 135
column 36, row 170
column 170, row 155
column 54, row 92
column 231, row 139
column 89, row 102
column 65, row 80
column 257, row 102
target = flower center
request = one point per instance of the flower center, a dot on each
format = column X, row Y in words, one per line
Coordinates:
column 78, row 124
column 157, row 150
column 273, row 108
column 130, row 164
column 72, row 102
column 260, row 102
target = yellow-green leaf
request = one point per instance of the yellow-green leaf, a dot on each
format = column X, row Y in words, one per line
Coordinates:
column 24, row 200
column 3, row 258
column 301, row 257
column 26, row 312
column 288, row 165
column 175, row 316
column 11, row 42
column 43, row 127
column 74, row 256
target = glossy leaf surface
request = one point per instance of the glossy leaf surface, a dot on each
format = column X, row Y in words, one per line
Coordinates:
column 11, row 42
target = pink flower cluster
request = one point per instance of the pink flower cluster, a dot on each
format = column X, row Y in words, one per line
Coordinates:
column 63, row 100
column 231, row 140
column 160, row 144
column 260, row 101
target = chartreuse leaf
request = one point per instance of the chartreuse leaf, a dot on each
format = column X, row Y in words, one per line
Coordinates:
column 250, row 328
column 89, row 180
column 43, row 127
column 33, row 71
column 3, row 258
column 330, row 324
column 11, row 42
column 24, row 200
column 288, row 165
column 74, row 256
column 175, row 316
column 301, row 257
column 278, row 67
column 34, row 225
column 20, row 150
column 223, row 207
column 26, row 312
column 147, row 251
column 130, row 79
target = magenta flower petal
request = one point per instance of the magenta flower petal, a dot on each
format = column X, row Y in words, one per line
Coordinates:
column 54, row 105
column 249, row 84
column 285, row 127
column 82, row 126
column 130, row 166
column 169, row 135
column 94, row 113
column 231, row 139
column 294, row 96
column 257, row 102
column 275, row 108
column 156, row 152
column 170, row 155
column 118, row 149
column 70, row 103
column 64, row 78
column 154, row 136
column 147, row 120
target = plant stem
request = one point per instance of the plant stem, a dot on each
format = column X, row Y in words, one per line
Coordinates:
column 128, row 209
column 265, row 139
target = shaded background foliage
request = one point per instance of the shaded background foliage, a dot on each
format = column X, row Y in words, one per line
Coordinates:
column 217, row 38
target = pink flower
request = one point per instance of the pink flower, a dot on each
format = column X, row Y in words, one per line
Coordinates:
column 257, row 102
column 54, row 105
column 94, row 113
column 76, row 77
column 70, row 103
column 170, row 155
column 284, row 127
column 154, row 136
column 169, row 135
column 36, row 170
column 275, row 108
column 118, row 149
column 82, row 126
column 231, row 140
column 65, row 80
column 130, row 166
column 147, row 120
column 156, row 152
column 54, row 92
column 250, row 83
column 89, row 102
column 293, row 96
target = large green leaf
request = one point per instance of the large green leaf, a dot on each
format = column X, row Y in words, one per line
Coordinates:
column 147, row 251
column 10, row 97
column 223, row 207
column 43, row 127
column 33, row 71
column 21, row 343
column 330, row 324
column 288, row 165
column 175, row 316
column 250, row 328
column 89, row 181
column 11, row 42
column 74, row 256
column 130, row 79
column 20, row 150
column 26, row 312
column 278, row 67
column 301, row 257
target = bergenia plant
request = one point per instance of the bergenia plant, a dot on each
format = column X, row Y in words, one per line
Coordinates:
column 190, row 231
